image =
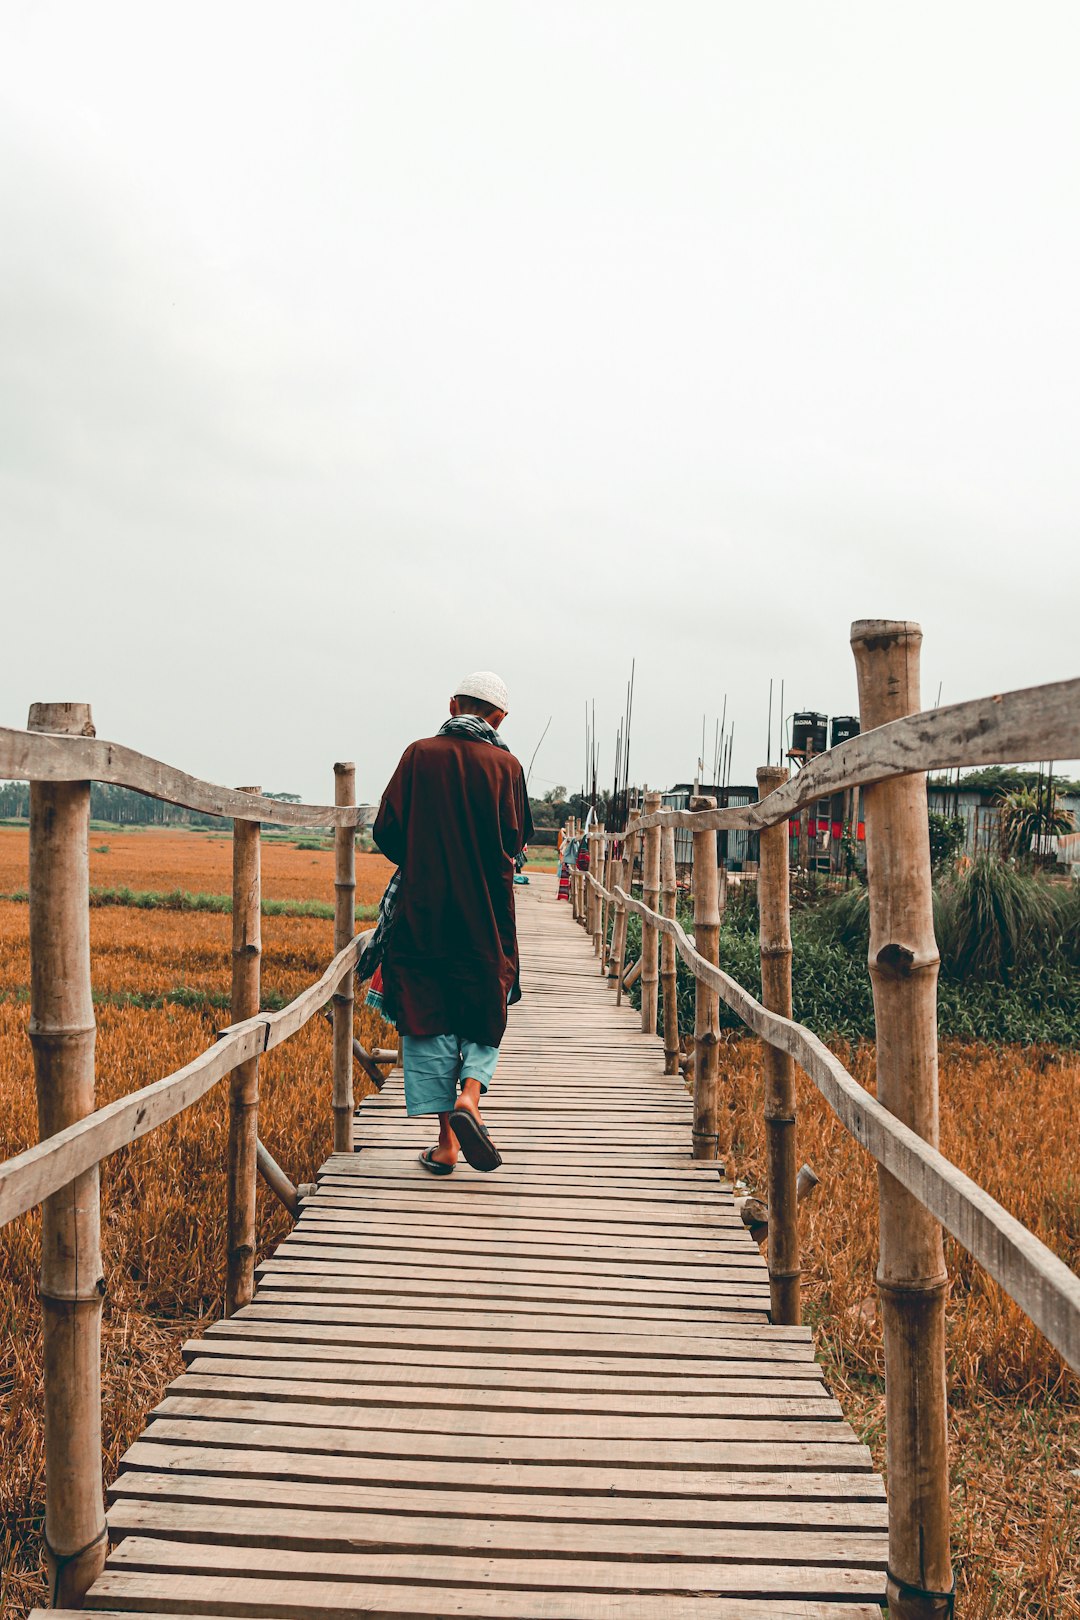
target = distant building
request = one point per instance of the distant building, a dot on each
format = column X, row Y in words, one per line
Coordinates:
column 978, row 809
column 734, row 849
column 738, row 849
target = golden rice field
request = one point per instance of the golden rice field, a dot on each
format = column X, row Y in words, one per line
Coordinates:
column 165, row 858
column 1008, row 1118
column 163, row 1231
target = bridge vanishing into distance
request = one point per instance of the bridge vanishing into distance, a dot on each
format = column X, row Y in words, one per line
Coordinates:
column 575, row 1389
column 550, row 1391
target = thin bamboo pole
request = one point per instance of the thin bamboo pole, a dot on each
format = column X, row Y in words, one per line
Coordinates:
column 650, row 954
column 668, row 969
column 706, row 1137
column 775, row 944
column 344, row 928
column 912, row 1280
column 244, row 1080
column 62, row 1033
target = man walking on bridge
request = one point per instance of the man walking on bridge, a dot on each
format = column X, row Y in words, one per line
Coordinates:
column 452, row 819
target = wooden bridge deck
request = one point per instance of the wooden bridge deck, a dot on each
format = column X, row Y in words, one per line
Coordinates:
column 552, row 1393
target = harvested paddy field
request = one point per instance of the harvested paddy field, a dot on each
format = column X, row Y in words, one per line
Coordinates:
column 165, row 859
column 161, row 979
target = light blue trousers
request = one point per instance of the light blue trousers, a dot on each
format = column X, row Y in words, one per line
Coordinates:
column 436, row 1065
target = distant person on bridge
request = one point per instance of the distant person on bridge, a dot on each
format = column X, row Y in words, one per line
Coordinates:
column 453, row 818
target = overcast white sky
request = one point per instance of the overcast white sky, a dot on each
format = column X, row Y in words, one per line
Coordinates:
column 348, row 347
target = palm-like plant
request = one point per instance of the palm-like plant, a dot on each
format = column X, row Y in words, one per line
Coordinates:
column 1025, row 817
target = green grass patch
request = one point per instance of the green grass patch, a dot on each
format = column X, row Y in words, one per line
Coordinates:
column 181, row 995
column 183, row 900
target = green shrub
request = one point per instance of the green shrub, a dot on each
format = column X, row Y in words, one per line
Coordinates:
column 1009, row 943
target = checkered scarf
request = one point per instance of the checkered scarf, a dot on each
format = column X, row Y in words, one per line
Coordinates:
column 462, row 725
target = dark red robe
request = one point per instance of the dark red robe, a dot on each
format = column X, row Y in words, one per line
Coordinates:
column 453, row 817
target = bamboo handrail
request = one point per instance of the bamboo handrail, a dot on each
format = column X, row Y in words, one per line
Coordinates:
column 1031, row 1274
column 32, row 756
column 1037, row 722
column 29, row 1177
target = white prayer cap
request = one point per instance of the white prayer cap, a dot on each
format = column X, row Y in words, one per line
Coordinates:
column 487, row 686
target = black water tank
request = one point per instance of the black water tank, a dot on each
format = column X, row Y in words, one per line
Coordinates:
column 809, row 732
column 843, row 728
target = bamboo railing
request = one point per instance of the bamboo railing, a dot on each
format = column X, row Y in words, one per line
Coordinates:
column 920, row 1191
column 59, row 755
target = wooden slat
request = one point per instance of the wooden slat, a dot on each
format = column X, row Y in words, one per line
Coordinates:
column 229, row 1451
column 212, row 1485
column 148, row 1597
column 528, row 1574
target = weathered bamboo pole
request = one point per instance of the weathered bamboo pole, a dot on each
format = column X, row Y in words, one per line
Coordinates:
column 706, row 1129
column 912, row 1280
column 650, row 893
column 244, row 1080
column 774, row 932
column 368, row 1061
column 62, row 1033
column 668, row 968
column 276, row 1179
column 344, row 929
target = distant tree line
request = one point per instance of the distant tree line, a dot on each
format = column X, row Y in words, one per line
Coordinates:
column 123, row 806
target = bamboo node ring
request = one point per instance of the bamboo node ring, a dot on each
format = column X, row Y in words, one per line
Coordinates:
column 906, row 1589
column 60, row 1561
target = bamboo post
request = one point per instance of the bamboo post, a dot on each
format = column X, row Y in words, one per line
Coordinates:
column 912, row 1280
column 589, row 893
column 616, row 866
column 609, row 905
column 579, row 881
column 668, row 969
column 588, row 899
column 244, row 1080
column 62, row 1033
column 629, row 848
column 650, row 975
column 706, row 1137
column 574, row 889
column 344, row 928
column 775, row 945
column 596, row 867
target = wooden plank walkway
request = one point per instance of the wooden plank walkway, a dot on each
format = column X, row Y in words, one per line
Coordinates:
column 552, row 1393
